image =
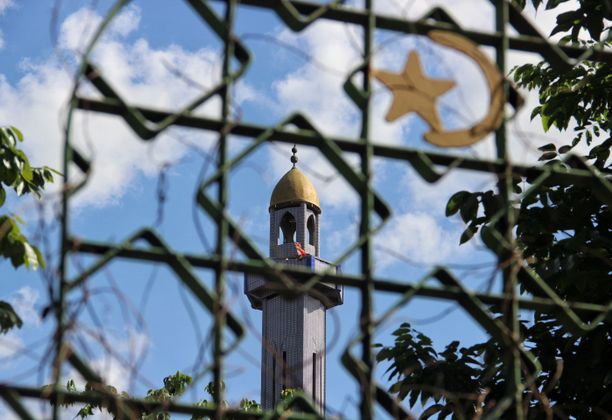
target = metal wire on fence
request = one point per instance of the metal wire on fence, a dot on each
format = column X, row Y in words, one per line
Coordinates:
column 147, row 244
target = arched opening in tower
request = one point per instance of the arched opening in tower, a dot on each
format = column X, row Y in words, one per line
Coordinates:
column 288, row 226
column 310, row 228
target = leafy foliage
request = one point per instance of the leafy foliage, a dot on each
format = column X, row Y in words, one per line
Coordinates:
column 589, row 16
column 462, row 381
column 8, row 318
column 174, row 387
column 287, row 393
column 15, row 169
column 426, row 374
column 453, row 379
column 15, row 246
column 16, row 173
column 564, row 233
column 250, row 405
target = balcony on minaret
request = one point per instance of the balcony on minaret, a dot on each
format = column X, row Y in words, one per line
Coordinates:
column 257, row 288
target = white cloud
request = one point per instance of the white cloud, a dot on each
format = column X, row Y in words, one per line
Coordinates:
column 420, row 195
column 10, row 344
column 128, row 345
column 419, row 237
column 4, row 5
column 127, row 21
column 144, row 74
column 78, row 28
column 24, row 302
column 473, row 14
column 112, row 372
column 316, row 90
column 132, row 343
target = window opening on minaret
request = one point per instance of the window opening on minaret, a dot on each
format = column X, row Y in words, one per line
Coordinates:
column 310, row 228
column 288, row 227
column 314, row 377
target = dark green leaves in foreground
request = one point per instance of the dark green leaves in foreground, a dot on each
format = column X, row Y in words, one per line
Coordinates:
column 15, row 169
column 421, row 374
column 18, row 175
column 174, row 387
column 15, row 246
column 467, row 204
column 587, row 15
column 563, row 233
column 8, row 318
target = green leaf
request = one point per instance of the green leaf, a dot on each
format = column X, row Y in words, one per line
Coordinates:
column 17, row 133
column 550, row 147
column 564, row 149
column 492, row 239
column 535, row 112
column 8, row 137
column 545, row 121
column 20, row 188
column 469, row 208
column 176, row 384
column 551, row 4
column 41, row 259
column 26, row 171
column 48, row 175
column 570, row 16
column 86, row 411
column 468, row 233
column 71, row 386
column 548, row 156
column 2, row 195
column 594, row 25
column 30, row 256
column 414, row 396
column 455, row 202
column 8, row 318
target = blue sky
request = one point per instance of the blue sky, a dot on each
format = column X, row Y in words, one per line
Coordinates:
column 141, row 54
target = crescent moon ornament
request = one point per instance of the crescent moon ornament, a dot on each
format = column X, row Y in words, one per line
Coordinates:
column 414, row 92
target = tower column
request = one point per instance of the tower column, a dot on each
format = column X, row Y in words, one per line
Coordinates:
column 293, row 329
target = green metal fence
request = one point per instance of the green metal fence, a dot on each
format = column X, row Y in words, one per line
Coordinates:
column 358, row 357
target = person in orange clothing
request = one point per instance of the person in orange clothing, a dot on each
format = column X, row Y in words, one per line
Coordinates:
column 300, row 251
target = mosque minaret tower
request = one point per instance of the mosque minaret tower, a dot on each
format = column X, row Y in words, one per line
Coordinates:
column 293, row 329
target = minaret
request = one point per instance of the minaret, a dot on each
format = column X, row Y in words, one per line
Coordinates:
column 293, row 330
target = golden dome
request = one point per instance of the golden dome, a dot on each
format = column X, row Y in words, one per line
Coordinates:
column 294, row 188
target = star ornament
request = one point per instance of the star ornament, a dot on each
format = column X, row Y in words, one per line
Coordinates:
column 413, row 91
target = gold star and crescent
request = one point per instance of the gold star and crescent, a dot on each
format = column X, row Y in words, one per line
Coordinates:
column 413, row 91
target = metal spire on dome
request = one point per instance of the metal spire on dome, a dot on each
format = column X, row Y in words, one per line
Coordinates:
column 294, row 158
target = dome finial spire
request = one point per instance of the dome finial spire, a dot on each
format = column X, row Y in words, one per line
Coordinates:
column 294, row 158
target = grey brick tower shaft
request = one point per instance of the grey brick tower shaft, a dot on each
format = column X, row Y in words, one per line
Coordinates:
column 293, row 330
